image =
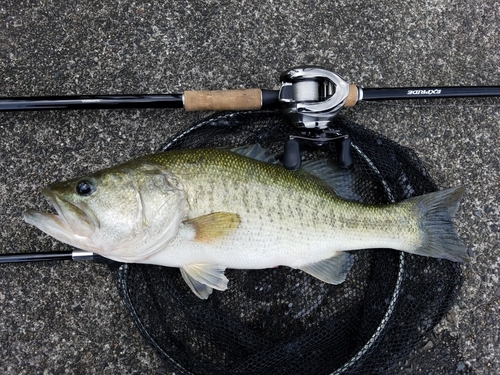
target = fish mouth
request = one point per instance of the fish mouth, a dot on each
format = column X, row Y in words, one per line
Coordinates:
column 70, row 224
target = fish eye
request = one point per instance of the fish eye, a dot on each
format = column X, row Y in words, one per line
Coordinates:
column 84, row 188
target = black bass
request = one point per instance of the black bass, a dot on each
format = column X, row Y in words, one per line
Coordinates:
column 206, row 210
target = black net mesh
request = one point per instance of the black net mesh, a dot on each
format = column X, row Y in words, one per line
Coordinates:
column 283, row 321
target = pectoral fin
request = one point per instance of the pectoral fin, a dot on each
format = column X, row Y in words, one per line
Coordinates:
column 213, row 226
column 203, row 278
column 333, row 270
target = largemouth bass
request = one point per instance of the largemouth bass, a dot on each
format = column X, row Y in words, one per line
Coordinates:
column 206, row 210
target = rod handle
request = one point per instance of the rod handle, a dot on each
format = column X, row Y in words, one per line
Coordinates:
column 353, row 97
column 223, row 100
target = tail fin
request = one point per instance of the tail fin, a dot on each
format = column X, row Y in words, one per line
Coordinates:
column 436, row 212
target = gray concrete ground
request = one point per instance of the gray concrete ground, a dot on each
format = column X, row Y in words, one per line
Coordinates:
column 67, row 317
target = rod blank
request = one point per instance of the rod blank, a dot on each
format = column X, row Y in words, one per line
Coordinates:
column 428, row 92
column 38, row 103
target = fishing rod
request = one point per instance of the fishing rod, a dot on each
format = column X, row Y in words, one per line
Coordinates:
column 309, row 95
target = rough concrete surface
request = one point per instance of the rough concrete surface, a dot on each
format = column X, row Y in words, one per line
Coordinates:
column 67, row 317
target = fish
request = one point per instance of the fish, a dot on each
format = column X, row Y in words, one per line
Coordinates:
column 204, row 210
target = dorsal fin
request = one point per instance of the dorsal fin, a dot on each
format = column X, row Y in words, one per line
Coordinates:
column 256, row 152
column 341, row 180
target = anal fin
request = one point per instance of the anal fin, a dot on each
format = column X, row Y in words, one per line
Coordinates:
column 333, row 270
column 203, row 278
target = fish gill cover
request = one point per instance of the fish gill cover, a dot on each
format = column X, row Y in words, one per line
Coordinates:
column 284, row 321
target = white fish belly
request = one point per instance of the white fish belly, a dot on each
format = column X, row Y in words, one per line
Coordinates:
column 246, row 249
column 267, row 245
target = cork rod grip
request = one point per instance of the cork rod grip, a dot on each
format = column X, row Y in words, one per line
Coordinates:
column 223, row 100
column 352, row 98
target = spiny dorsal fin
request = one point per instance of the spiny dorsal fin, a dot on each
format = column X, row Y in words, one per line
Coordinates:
column 203, row 278
column 333, row 270
column 341, row 180
column 256, row 152
column 213, row 226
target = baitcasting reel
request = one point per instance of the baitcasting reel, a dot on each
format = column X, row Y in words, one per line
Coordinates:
column 311, row 96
